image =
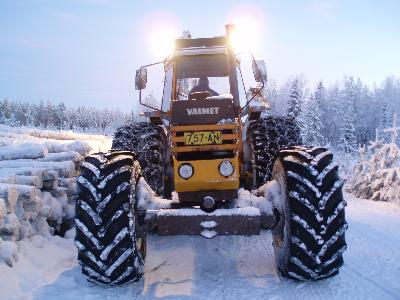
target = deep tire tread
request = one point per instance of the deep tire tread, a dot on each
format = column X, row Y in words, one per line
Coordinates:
column 149, row 143
column 320, row 233
column 267, row 136
column 104, row 224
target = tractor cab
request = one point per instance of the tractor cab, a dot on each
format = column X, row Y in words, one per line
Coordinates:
column 206, row 69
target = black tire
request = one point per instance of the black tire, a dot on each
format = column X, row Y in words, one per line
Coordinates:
column 105, row 222
column 309, row 238
column 266, row 136
column 149, row 142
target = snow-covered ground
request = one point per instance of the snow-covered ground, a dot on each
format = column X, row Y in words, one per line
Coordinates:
column 228, row 267
column 224, row 267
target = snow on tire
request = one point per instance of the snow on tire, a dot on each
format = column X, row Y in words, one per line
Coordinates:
column 309, row 238
column 266, row 136
column 105, row 221
column 149, row 142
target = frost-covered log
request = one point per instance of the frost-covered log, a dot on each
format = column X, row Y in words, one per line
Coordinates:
column 52, row 208
column 50, row 180
column 26, row 193
column 70, row 185
column 63, row 168
column 83, row 148
column 63, row 156
column 3, row 210
column 4, row 141
column 9, row 179
column 23, row 151
column 10, row 230
column 60, row 194
column 23, row 171
column 11, row 135
column 10, row 194
column 35, row 181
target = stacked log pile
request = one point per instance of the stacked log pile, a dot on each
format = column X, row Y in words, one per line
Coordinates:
column 37, row 182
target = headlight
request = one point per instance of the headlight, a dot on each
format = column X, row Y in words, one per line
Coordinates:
column 185, row 171
column 226, row 168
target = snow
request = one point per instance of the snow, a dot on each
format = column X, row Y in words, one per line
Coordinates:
column 45, row 266
column 308, row 228
column 376, row 176
column 226, row 121
column 328, row 194
column 234, row 267
column 242, row 211
column 208, row 234
column 116, row 240
column 262, row 203
column 8, row 252
column 54, row 140
column 79, row 225
column 220, row 97
column 200, row 50
column 147, row 199
column 305, row 182
column 208, row 224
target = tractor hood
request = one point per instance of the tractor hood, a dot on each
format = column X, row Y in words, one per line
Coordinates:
column 209, row 111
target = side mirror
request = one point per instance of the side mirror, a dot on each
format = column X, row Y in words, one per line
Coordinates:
column 259, row 71
column 141, row 79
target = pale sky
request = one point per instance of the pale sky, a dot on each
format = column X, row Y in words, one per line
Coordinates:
column 85, row 52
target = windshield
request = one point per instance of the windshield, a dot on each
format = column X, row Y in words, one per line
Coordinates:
column 204, row 74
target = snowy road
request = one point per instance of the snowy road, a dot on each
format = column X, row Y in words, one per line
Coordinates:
column 223, row 267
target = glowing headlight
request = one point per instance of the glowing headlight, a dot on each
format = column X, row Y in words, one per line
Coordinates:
column 185, row 171
column 226, row 168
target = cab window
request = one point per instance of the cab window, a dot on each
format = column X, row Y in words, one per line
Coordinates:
column 202, row 73
column 168, row 83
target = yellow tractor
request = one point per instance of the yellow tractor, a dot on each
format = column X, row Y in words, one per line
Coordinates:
column 210, row 137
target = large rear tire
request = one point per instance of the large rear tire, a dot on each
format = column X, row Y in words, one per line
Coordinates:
column 109, row 249
column 266, row 136
column 309, row 238
column 149, row 142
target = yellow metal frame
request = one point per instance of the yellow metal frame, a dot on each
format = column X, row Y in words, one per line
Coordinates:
column 204, row 127
column 236, row 135
column 206, row 176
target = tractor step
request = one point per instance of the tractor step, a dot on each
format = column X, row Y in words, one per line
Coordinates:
column 193, row 221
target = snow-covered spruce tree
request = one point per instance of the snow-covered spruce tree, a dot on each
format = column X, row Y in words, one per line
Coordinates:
column 312, row 125
column 271, row 93
column 295, row 99
column 377, row 174
column 330, row 115
column 348, row 139
column 60, row 116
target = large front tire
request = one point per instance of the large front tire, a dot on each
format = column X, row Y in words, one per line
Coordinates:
column 106, row 232
column 309, row 238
